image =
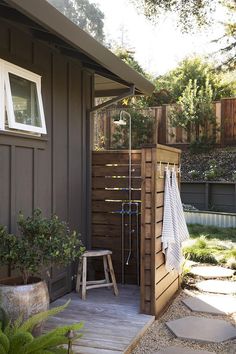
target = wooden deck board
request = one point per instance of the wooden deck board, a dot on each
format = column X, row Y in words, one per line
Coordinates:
column 112, row 324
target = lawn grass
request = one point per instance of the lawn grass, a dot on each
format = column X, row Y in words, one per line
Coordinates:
column 210, row 244
column 212, row 232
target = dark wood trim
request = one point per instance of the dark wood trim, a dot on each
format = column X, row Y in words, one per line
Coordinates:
column 10, row 138
column 13, row 189
column 35, row 178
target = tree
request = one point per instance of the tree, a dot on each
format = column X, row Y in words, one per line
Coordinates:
column 189, row 12
column 194, row 112
column 142, row 130
column 85, row 15
column 197, row 13
column 228, row 40
column 171, row 86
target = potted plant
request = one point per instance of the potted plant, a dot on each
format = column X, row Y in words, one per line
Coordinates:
column 41, row 243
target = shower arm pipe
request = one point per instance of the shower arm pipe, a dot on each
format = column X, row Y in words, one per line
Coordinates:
column 130, row 156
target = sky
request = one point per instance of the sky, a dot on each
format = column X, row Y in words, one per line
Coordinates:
column 158, row 48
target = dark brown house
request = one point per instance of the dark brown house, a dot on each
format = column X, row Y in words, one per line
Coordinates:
column 50, row 73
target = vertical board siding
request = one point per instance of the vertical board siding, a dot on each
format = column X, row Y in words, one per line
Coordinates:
column 49, row 173
column 24, row 180
column 110, row 183
column 60, row 101
column 157, row 285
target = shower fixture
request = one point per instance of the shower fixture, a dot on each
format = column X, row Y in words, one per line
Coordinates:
column 127, row 207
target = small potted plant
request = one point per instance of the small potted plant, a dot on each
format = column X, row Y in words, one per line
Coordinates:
column 41, row 243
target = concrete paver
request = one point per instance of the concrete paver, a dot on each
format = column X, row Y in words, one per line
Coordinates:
column 202, row 329
column 213, row 304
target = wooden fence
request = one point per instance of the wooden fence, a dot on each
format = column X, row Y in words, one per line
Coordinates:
column 163, row 130
column 157, row 285
column 109, row 191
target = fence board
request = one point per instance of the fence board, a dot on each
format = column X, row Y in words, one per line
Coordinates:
column 157, row 285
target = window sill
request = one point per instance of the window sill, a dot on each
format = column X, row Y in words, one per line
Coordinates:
column 24, row 140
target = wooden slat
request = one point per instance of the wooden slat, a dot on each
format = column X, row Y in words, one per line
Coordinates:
column 112, row 324
column 103, row 194
column 165, row 298
column 156, row 280
column 101, row 182
column 106, row 230
column 102, row 158
column 110, row 219
column 115, row 170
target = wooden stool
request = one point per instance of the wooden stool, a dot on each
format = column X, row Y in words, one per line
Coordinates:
column 108, row 268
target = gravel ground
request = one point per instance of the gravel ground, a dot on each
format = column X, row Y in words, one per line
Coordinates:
column 158, row 336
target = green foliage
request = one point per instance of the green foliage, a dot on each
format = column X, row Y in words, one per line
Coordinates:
column 84, row 14
column 213, row 172
column 201, row 242
column 128, row 57
column 213, row 232
column 170, row 87
column 142, row 131
column 42, row 242
column 17, row 337
column 227, row 42
column 190, row 13
column 194, row 112
column 212, row 245
column 201, row 255
column 194, row 174
column 201, row 145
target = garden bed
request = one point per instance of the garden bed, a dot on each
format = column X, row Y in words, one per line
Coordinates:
column 216, row 165
column 210, row 244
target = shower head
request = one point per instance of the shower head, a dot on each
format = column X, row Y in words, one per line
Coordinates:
column 121, row 120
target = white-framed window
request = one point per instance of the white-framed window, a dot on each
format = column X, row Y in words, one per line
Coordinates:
column 21, row 100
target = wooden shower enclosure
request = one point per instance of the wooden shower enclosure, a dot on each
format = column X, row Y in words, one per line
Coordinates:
column 110, row 171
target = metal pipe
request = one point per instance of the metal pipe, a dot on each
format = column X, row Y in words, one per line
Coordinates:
column 122, row 245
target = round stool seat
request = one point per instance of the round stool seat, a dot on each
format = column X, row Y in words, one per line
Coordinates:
column 96, row 253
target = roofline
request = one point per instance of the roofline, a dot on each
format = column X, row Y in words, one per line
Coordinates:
column 50, row 18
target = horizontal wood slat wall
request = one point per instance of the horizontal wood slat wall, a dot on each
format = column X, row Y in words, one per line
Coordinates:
column 157, row 285
column 110, row 171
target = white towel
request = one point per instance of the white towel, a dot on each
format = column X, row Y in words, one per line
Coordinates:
column 178, row 207
column 174, row 230
column 168, row 227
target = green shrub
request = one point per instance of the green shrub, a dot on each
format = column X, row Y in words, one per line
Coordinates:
column 201, row 255
column 41, row 243
column 201, row 145
column 201, row 243
column 17, row 338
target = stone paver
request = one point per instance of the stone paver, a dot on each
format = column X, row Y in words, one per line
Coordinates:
column 182, row 350
column 202, row 329
column 212, row 272
column 217, row 286
column 214, row 304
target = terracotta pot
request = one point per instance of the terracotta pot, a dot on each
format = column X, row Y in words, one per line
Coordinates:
column 27, row 300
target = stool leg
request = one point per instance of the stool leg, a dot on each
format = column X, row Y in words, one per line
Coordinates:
column 113, row 278
column 79, row 275
column 106, row 272
column 84, row 278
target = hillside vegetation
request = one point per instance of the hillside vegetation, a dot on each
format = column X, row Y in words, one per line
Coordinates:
column 216, row 165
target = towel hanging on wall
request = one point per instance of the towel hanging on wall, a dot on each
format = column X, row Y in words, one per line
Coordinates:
column 174, row 230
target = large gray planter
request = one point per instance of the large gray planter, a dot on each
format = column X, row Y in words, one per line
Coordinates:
column 26, row 300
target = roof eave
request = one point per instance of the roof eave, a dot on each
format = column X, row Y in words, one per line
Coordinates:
column 48, row 17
